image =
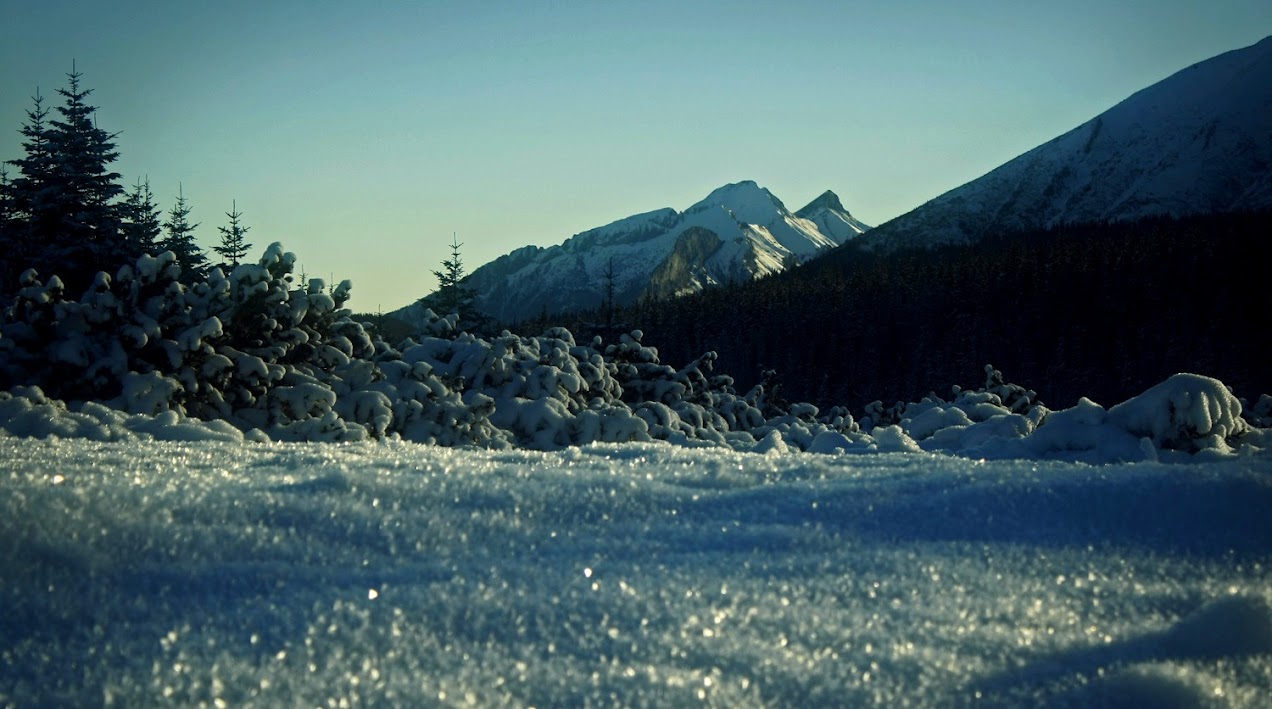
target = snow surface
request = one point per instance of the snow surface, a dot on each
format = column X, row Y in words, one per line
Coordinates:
column 228, row 573
column 717, row 548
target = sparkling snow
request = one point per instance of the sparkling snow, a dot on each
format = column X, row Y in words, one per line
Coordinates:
column 228, row 573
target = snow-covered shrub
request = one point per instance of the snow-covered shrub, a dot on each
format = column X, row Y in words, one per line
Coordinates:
column 142, row 353
column 146, row 343
column 1186, row 412
column 1016, row 398
column 1259, row 415
column 766, row 397
column 876, row 414
column 1082, row 433
column 981, row 422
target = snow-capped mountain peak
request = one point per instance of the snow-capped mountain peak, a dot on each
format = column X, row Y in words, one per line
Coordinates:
column 830, row 217
column 739, row 231
column 745, row 200
column 826, row 200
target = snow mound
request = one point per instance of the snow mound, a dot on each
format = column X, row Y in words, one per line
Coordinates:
column 28, row 413
column 1233, row 626
column 1185, row 412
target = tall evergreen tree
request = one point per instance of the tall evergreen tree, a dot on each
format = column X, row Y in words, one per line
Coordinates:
column 64, row 194
column 452, row 296
column 83, row 188
column 607, row 301
column 233, row 247
column 179, row 239
column 7, row 216
column 9, row 236
column 27, row 198
column 141, row 227
column 6, row 197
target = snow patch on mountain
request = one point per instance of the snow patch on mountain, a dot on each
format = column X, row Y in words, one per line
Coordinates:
column 830, row 217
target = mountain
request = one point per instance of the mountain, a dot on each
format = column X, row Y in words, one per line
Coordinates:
column 738, row 232
column 1199, row 141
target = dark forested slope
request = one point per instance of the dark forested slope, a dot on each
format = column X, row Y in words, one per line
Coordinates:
column 1100, row 310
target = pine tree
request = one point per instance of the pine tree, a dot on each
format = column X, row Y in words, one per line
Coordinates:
column 8, row 225
column 6, row 198
column 63, row 198
column 141, row 227
column 6, row 210
column 35, row 169
column 452, row 296
column 179, row 239
column 82, row 187
column 234, row 246
column 26, row 198
column 607, row 304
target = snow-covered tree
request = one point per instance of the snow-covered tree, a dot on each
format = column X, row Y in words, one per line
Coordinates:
column 233, row 247
column 178, row 237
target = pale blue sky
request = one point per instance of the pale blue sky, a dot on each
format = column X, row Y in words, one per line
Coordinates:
column 362, row 137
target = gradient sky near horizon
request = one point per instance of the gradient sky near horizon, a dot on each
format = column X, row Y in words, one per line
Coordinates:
column 362, row 136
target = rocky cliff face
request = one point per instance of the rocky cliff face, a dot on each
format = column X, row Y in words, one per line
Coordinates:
column 686, row 268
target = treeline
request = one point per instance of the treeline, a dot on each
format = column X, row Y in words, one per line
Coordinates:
column 1096, row 310
column 63, row 210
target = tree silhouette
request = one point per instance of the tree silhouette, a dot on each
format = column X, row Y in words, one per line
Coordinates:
column 81, row 220
column 179, row 239
column 233, row 247
column 452, row 296
column 607, row 302
column 141, row 227
column 63, row 216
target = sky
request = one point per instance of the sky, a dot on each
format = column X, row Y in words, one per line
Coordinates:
column 365, row 137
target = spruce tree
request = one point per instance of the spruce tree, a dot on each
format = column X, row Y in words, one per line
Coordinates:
column 6, row 200
column 8, row 226
column 141, row 227
column 234, row 246
column 179, row 239
column 67, row 219
column 452, row 296
column 607, row 301
column 84, row 227
column 27, row 199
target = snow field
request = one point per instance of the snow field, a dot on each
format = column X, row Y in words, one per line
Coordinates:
column 223, row 573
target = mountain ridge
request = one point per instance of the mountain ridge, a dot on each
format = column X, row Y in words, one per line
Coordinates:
column 1195, row 142
column 739, row 231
